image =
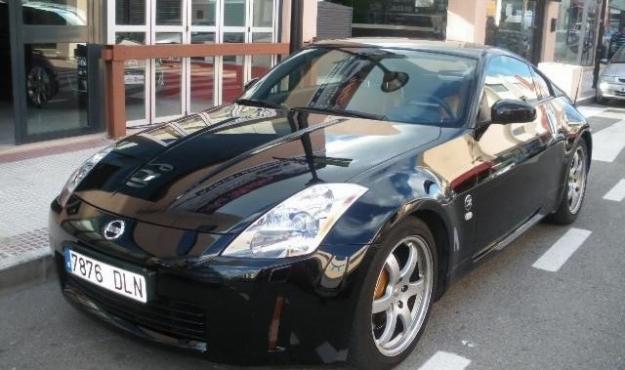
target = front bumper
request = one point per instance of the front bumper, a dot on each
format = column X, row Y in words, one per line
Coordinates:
column 247, row 313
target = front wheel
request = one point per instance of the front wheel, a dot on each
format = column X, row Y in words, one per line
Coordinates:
column 575, row 188
column 397, row 295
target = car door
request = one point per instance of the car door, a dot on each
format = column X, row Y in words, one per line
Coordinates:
column 508, row 194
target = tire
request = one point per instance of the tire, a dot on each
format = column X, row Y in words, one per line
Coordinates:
column 569, row 208
column 401, row 241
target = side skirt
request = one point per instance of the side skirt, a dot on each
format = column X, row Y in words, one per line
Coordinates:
column 501, row 244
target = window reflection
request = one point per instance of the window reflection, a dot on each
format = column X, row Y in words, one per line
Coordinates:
column 263, row 13
column 203, row 12
column 169, row 12
column 418, row 18
column 234, row 13
column 55, row 13
column 55, row 100
column 130, row 12
column 511, row 24
column 261, row 63
column 232, row 70
column 168, row 75
column 202, row 75
column 134, row 77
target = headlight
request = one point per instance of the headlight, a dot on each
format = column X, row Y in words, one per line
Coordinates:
column 81, row 173
column 297, row 225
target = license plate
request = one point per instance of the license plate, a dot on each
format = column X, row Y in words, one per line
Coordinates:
column 115, row 279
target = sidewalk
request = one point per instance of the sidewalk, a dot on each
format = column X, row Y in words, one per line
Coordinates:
column 29, row 180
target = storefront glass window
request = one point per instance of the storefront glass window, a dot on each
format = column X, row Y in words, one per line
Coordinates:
column 202, row 75
column 134, row 77
column 261, row 63
column 168, row 78
column 130, row 12
column 203, row 12
column 234, row 13
column 263, row 13
column 405, row 18
column 169, row 12
column 57, row 100
column 55, row 12
column 232, row 73
column 576, row 31
column 511, row 25
column 593, row 13
column 7, row 126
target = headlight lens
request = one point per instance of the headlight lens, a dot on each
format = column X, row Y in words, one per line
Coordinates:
column 296, row 226
column 81, row 173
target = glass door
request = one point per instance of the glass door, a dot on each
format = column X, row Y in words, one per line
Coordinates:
column 53, row 56
column 263, row 14
column 515, row 25
column 202, row 87
column 168, row 84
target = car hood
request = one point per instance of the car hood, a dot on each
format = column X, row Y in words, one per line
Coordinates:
column 614, row 69
column 217, row 171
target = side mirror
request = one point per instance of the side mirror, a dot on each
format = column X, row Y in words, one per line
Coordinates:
column 603, row 61
column 250, row 83
column 507, row 111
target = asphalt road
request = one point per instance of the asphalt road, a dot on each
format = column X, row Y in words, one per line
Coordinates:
column 506, row 314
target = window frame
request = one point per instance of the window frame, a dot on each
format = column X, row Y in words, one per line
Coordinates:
column 539, row 74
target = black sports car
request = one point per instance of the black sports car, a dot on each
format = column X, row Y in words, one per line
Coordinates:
column 318, row 217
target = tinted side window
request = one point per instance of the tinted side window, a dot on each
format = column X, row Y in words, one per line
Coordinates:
column 506, row 78
column 542, row 85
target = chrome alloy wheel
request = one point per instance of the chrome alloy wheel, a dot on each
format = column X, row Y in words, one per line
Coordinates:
column 402, row 296
column 577, row 180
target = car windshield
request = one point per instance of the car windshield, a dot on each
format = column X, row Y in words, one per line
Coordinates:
column 423, row 87
column 619, row 56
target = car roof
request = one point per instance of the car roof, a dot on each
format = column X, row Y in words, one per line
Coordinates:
column 456, row 47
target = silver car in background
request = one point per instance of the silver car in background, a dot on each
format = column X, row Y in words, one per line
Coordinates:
column 612, row 79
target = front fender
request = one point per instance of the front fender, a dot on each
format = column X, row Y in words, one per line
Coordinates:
column 403, row 189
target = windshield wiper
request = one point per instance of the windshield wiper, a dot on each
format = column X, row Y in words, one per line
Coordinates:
column 259, row 103
column 343, row 112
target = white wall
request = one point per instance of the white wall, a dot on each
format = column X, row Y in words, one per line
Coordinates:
column 466, row 20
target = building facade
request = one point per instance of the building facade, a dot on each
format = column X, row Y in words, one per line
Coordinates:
column 53, row 75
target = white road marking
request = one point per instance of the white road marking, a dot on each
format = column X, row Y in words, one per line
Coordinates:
column 445, row 361
column 556, row 256
column 608, row 143
column 617, row 193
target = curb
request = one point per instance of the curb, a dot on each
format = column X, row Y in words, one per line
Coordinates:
column 35, row 271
